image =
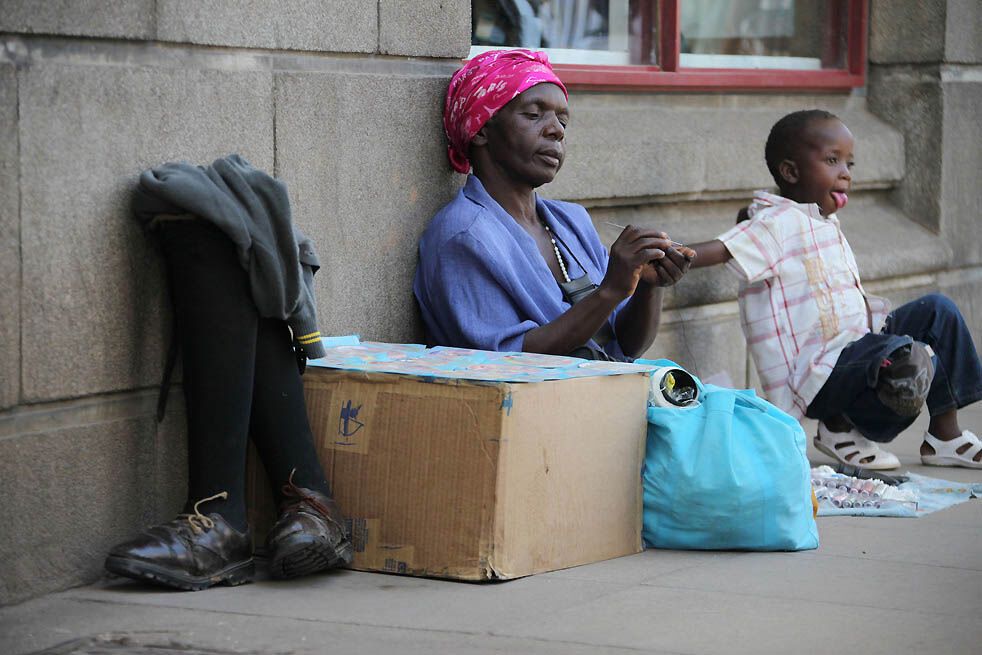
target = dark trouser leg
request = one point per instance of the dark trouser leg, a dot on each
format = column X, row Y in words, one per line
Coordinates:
column 217, row 326
column 933, row 320
column 280, row 428
column 849, row 398
column 936, row 321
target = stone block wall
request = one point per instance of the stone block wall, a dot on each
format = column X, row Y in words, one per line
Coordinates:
column 926, row 81
column 342, row 100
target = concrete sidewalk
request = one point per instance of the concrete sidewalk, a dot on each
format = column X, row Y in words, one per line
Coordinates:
column 887, row 586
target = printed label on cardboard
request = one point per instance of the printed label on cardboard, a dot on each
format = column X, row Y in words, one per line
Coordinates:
column 375, row 556
column 358, row 531
column 339, row 421
column 348, row 423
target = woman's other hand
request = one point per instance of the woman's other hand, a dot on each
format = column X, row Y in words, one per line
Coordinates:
column 668, row 270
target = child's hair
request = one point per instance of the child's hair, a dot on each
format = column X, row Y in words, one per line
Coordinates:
column 784, row 137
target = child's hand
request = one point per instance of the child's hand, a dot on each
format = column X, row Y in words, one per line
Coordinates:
column 709, row 253
column 687, row 252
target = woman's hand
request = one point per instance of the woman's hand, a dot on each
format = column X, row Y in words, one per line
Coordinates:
column 669, row 269
column 640, row 255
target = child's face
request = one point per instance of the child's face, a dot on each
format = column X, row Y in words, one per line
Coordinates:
column 821, row 168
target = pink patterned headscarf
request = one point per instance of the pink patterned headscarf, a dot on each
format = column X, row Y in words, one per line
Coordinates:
column 482, row 87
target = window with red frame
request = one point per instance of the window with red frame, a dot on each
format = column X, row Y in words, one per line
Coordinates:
column 685, row 44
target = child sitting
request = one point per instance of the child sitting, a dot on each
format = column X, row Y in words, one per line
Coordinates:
column 820, row 344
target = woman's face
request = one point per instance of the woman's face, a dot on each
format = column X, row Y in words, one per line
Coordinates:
column 526, row 138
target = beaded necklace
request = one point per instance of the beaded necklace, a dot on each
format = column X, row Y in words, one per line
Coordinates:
column 555, row 249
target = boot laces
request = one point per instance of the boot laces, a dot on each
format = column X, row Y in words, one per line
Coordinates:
column 297, row 496
column 198, row 521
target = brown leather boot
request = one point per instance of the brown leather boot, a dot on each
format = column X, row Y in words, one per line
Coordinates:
column 309, row 535
column 191, row 552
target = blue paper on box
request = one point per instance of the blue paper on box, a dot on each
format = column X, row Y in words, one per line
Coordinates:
column 351, row 354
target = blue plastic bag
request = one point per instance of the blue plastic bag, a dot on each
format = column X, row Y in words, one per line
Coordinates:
column 729, row 473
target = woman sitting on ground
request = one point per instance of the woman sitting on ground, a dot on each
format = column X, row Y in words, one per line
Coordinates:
column 502, row 268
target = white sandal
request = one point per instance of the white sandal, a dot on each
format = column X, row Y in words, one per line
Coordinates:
column 946, row 452
column 859, row 448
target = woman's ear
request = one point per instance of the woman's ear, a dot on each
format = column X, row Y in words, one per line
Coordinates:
column 481, row 138
column 789, row 171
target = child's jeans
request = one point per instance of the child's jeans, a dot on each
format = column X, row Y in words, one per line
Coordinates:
column 934, row 320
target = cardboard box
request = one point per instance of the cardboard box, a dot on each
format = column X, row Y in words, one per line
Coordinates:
column 478, row 480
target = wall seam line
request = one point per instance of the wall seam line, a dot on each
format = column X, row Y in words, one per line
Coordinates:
column 275, row 101
column 98, row 409
column 20, row 240
column 156, row 21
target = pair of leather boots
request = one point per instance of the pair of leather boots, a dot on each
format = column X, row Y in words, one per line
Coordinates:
column 196, row 551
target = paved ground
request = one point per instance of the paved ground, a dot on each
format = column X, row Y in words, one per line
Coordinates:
column 889, row 586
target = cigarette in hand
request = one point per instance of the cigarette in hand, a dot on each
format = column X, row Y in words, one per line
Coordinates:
column 623, row 227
